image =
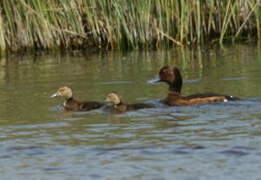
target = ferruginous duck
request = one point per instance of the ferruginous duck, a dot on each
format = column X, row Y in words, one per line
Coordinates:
column 172, row 76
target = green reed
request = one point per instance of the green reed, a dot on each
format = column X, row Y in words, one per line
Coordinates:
column 111, row 24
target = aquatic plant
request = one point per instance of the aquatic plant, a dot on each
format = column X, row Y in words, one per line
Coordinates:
column 45, row 24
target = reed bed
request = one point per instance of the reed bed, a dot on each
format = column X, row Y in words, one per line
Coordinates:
column 118, row 24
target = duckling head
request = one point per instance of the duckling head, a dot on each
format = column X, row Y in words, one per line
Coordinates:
column 63, row 91
column 113, row 98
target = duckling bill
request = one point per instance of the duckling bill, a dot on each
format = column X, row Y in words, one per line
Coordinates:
column 71, row 104
column 119, row 106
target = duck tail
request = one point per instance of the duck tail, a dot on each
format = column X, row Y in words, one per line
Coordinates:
column 232, row 98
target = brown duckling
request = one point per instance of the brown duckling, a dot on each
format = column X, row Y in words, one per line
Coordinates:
column 119, row 106
column 71, row 104
column 172, row 76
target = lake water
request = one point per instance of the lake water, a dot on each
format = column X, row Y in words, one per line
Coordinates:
column 210, row 141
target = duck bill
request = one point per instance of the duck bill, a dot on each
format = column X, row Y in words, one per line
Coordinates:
column 155, row 80
column 55, row 95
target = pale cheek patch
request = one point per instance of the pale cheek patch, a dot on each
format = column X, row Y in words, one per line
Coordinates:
column 225, row 100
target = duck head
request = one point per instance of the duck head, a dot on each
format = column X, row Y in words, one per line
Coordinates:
column 172, row 76
column 113, row 98
column 63, row 91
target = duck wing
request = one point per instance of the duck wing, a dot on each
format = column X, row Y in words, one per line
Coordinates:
column 207, row 95
column 90, row 105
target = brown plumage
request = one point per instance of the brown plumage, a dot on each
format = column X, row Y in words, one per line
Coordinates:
column 172, row 76
column 118, row 106
column 71, row 104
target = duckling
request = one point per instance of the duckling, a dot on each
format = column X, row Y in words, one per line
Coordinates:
column 71, row 104
column 118, row 106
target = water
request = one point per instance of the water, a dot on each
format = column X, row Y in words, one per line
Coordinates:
column 209, row 141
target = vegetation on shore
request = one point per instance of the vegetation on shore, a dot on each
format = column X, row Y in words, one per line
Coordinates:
column 111, row 24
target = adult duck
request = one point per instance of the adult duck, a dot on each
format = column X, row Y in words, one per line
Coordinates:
column 172, row 76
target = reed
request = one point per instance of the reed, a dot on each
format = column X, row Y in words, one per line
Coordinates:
column 111, row 24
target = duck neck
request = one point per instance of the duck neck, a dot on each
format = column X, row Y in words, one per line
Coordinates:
column 175, row 86
column 118, row 104
column 67, row 100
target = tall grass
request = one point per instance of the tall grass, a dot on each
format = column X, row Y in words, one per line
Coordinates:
column 44, row 24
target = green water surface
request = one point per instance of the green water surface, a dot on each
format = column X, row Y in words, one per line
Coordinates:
column 38, row 140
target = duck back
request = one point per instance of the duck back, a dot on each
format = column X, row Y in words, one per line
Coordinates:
column 176, row 99
column 74, row 105
column 208, row 95
column 121, row 108
column 86, row 106
column 138, row 106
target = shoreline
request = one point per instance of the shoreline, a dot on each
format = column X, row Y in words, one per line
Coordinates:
column 108, row 25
